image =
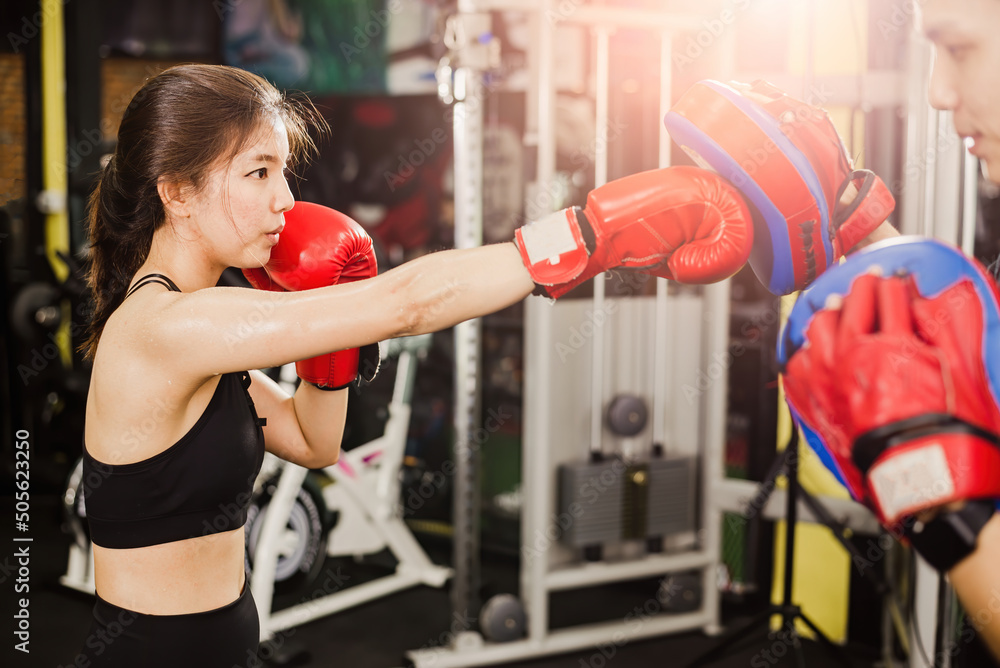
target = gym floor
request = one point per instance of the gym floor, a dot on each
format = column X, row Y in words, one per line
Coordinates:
column 378, row 634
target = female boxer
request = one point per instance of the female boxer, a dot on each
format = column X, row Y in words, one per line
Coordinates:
column 176, row 427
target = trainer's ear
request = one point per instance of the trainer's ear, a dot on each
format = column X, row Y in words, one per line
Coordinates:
column 175, row 197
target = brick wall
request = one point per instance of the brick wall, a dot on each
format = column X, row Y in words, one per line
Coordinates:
column 12, row 127
column 121, row 78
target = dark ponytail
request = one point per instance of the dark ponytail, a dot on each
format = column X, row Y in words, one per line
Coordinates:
column 182, row 123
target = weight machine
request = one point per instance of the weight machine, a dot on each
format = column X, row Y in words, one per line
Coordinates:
column 652, row 516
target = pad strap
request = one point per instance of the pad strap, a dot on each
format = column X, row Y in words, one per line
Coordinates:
column 869, row 446
column 951, row 536
column 861, row 217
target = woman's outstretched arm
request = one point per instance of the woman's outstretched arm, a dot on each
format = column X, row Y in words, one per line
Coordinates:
column 218, row 330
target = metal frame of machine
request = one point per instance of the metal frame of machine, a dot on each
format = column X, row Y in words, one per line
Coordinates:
column 554, row 433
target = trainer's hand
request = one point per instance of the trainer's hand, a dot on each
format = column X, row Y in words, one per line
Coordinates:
column 681, row 223
column 319, row 247
column 887, row 371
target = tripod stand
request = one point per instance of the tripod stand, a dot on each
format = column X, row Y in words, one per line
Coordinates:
column 787, row 461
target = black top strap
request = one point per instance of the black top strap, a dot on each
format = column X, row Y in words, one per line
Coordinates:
column 245, row 382
column 153, row 278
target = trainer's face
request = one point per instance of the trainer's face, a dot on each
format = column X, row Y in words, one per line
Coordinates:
column 242, row 209
column 966, row 75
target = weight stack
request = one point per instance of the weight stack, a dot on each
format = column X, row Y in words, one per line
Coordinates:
column 592, row 495
column 612, row 501
column 671, row 499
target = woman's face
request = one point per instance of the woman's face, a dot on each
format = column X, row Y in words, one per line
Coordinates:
column 240, row 211
column 966, row 76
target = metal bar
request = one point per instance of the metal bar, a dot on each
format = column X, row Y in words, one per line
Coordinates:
column 925, row 612
column 604, row 572
column 731, row 495
column 266, row 553
column 885, row 88
column 536, row 474
column 468, row 132
column 917, row 119
column 559, row 642
column 713, row 429
column 602, row 72
column 576, row 13
column 926, row 224
column 946, row 182
column 661, row 340
column 714, row 404
column 302, row 613
column 970, row 202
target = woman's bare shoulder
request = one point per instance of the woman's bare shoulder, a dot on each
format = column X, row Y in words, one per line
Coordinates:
column 132, row 384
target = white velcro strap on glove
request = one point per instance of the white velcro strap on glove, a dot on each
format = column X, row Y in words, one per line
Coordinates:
column 553, row 248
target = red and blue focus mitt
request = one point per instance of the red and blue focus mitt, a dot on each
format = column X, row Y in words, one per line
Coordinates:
column 891, row 368
column 787, row 160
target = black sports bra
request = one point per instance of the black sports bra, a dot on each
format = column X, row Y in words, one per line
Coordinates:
column 198, row 486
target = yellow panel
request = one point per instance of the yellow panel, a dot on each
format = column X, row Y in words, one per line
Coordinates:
column 54, row 128
column 821, row 582
column 54, row 147
column 841, row 117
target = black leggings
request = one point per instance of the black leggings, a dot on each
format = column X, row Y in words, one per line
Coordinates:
column 225, row 637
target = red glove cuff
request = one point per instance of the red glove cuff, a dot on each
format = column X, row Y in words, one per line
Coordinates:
column 933, row 470
column 553, row 249
column 333, row 371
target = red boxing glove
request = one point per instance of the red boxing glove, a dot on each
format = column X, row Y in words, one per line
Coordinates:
column 683, row 223
column 320, row 247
